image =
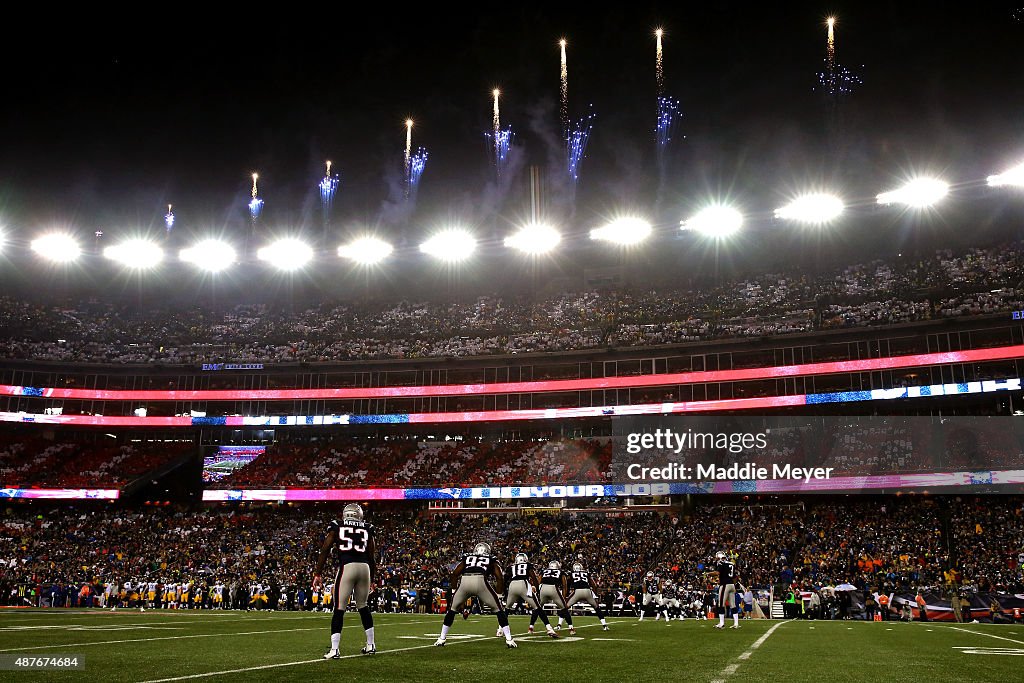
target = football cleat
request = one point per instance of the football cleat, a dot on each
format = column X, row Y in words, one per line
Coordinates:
column 719, row 625
column 509, row 643
column 465, row 614
column 530, row 630
column 552, row 634
column 499, row 634
column 572, row 631
column 605, row 628
column 558, row 628
column 439, row 642
column 369, row 650
column 735, row 626
column 332, row 654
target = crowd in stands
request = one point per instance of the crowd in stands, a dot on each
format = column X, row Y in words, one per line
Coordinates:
column 945, row 285
column 40, row 463
column 346, row 463
column 875, row 544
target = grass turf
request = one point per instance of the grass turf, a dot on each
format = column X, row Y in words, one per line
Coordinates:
column 182, row 645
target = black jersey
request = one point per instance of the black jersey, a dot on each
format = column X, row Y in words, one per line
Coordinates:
column 520, row 571
column 551, row 577
column 478, row 564
column 579, row 580
column 651, row 587
column 669, row 593
column 726, row 573
column 353, row 541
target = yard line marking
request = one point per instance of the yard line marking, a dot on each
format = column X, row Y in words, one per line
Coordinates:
column 304, row 661
column 731, row 669
column 143, row 640
column 982, row 633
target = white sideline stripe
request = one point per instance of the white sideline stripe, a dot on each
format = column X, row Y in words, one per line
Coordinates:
column 307, row 661
column 55, row 646
column 321, row 659
column 731, row 669
column 982, row 633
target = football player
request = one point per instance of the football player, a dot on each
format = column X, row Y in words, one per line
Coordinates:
column 582, row 589
column 670, row 595
column 725, row 569
column 352, row 540
column 652, row 594
column 554, row 586
column 473, row 576
column 523, row 587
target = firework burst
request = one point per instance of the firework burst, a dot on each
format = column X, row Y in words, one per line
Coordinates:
column 328, row 187
column 255, row 204
column 169, row 219
column 576, row 146
column 563, row 91
column 417, row 163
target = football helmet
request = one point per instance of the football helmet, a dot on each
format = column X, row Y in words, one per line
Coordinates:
column 577, row 566
column 482, row 548
column 721, row 556
column 554, row 564
column 650, row 575
column 522, row 557
column 353, row 511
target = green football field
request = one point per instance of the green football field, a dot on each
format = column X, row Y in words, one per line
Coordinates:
column 287, row 646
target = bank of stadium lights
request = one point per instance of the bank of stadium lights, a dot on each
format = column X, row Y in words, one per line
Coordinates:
column 715, row 221
column 625, row 231
column 814, row 209
column 366, row 250
column 534, row 239
column 450, row 245
column 919, row 193
column 1013, row 177
column 210, row 255
column 286, row 254
column 137, row 254
column 57, row 247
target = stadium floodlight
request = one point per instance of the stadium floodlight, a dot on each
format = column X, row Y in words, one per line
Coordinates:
column 286, row 254
column 1014, row 177
column 534, row 239
column 451, row 245
column 715, row 221
column 625, row 231
column 919, row 193
column 210, row 255
column 58, row 247
column 816, row 209
column 137, row 254
column 366, row 250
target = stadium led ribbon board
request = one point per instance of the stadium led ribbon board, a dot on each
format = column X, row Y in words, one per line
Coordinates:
column 633, row 382
column 932, row 390
column 931, row 480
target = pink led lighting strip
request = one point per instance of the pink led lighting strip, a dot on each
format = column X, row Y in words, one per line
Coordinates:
column 805, row 370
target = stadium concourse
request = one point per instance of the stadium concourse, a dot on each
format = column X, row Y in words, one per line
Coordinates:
column 968, row 283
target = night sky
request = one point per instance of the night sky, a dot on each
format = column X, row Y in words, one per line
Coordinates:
column 106, row 118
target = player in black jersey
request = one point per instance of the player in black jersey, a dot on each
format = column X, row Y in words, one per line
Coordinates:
column 352, row 539
column 728, row 577
column 583, row 589
column 473, row 576
column 523, row 586
column 554, row 587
